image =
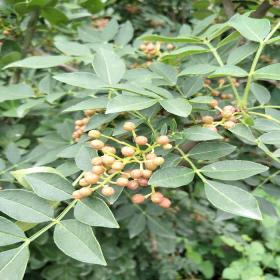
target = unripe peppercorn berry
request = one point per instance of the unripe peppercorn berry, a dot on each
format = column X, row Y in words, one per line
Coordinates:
column 226, row 114
column 108, row 160
column 128, row 151
column 150, row 165
column 229, row 108
column 157, row 197
column 94, row 134
column 122, row 182
column 91, row 178
column 129, row 126
column 97, row 161
column 136, row 173
column 108, row 150
column 133, row 185
column 158, row 160
column 138, row 198
column 213, row 103
column 76, row 194
column 207, row 119
column 86, row 191
column 229, row 124
column 97, row 144
column 143, row 182
column 165, row 203
column 141, row 140
column 117, row 165
column 98, row 169
column 83, row 182
column 167, row 146
column 151, row 156
column 107, row 191
column 146, row 173
column 163, row 140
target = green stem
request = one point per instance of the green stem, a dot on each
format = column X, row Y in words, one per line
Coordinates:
column 254, row 65
column 268, row 117
column 220, row 61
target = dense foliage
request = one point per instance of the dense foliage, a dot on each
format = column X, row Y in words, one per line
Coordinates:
column 139, row 140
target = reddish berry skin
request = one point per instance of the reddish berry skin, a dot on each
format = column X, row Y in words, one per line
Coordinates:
column 138, row 198
column 151, row 156
column 157, row 197
column 108, row 150
column 76, row 194
column 150, row 165
column 229, row 124
column 226, row 114
column 133, row 185
column 141, row 140
column 163, row 140
column 127, row 151
column 117, row 165
column 91, row 178
column 158, row 160
column 107, row 191
column 142, row 182
column 122, row 182
column 207, row 119
column 97, row 144
column 86, row 191
column 213, row 103
column 165, row 203
column 94, row 134
column 229, row 108
column 129, row 126
column 108, row 160
column 147, row 173
column 96, row 161
column 136, row 173
column 98, row 169
column 83, row 182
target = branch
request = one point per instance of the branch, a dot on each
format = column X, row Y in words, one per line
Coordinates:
column 262, row 9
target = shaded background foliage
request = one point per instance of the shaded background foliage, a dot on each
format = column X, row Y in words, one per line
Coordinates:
column 33, row 131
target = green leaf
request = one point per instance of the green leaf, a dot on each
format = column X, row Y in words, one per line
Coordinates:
column 80, row 79
column 136, row 225
column 183, row 52
column 160, row 227
column 20, row 174
column 232, row 199
column 229, row 70
column 25, row 206
column 54, row 16
column 95, row 212
column 172, row 177
column 177, row 106
column 10, row 233
column 231, row 170
column 110, row 31
column 250, row 28
column 78, row 241
column 211, row 150
column 192, row 85
column 200, row 134
column 83, row 158
column 167, row 72
column 272, row 138
column 180, row 39
column 261, row 93
column 72, row 48
column 50, row 186
column 15, row 92
column 239, row 54
column 197, row 69
column 99, row 102
column 123, row 103
column 108, row 66
column 94, row 6
column 39, row 62
column 243, row 132
column 125, row 34
column 270, row 72
column 13, row 263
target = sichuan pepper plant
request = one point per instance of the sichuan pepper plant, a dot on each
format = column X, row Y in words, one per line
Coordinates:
column 197, row 112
